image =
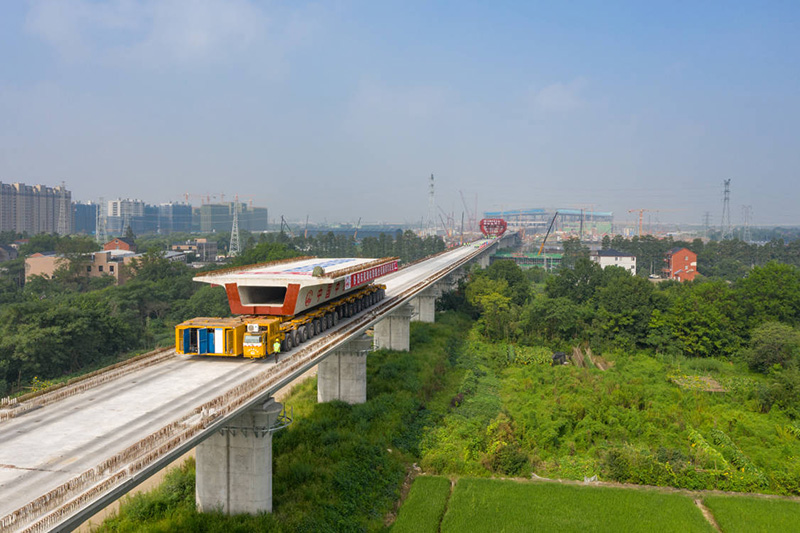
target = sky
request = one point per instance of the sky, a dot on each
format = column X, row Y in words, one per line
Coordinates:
column 342, row 110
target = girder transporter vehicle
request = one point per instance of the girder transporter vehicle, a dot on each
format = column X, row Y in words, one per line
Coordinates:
column 285, row 301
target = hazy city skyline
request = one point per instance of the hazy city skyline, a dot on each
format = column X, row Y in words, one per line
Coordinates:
column 344, row 110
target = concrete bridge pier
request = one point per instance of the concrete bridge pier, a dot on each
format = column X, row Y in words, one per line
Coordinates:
column 343, row 374
column 392, row 333
column 424, row 305
column 483, row 260
column 234, row 465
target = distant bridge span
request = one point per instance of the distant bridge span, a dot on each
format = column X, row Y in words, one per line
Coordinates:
column 68, row 454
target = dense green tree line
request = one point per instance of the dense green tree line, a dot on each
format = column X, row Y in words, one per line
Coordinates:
column 68, row 324
column 730, row 259
column 753, row 319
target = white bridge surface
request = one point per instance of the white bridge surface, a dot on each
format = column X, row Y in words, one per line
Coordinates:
column 42, row 449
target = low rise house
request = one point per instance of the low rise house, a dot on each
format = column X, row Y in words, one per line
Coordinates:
column 609, row 257
column 681, row 264
column 104, row 263
column 7, row 253
column 42, row 264
column 203, row 249
column 120, row 243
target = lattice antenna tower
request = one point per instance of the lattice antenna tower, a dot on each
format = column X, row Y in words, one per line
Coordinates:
column 747, row 215
column 125, row 208
column 706, row 223
column 431, row 229
column 233, row 248
column 63, row 225
column 726, row 210
column 100, row 227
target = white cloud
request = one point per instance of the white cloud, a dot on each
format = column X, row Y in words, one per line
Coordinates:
column 559, row 97
column 148, row 31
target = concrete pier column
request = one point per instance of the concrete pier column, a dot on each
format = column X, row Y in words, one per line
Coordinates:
column 392, row 333
column 425, row 306
column 343, row 374
column 483, row 260
column 234, row 465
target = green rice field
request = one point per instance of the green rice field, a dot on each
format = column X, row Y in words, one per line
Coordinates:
column 736, row 514
column 485, row 505
column 423, row 509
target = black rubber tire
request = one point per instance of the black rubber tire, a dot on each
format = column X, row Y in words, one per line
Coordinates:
column 303, row 333
column 329, row 321
column 335, row 320
column 297, row 338
column 316, row 327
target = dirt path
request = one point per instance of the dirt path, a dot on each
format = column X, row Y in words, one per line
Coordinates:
column 707, row 514
column 156, row 479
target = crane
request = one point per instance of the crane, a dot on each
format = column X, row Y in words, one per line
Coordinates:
column 285, row 224
column 641, row 217
column 472, row 217
column 541, row 248
column 358, row 225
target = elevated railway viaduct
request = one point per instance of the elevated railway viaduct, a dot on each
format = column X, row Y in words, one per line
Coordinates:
column 69, row 453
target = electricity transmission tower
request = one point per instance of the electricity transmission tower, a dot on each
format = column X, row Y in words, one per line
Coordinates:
column 747, row 215
column 233, row 249
column 431, row 228
column 726, row 211
column 706, row 223
column 63, row 224
column 100, row 227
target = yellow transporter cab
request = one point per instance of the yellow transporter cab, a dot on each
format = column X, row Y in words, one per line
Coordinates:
column 210, row 336
column 262, row 332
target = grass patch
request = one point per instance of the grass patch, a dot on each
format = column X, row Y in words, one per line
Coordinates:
column 506, row 506
column 423, row 509
column 735, row 514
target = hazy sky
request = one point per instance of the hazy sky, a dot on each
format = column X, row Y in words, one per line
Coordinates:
column 343, row 109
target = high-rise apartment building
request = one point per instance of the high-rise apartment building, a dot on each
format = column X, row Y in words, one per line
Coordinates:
column 35, row 209
column 174, row 217
column 85, row 217
column 122, row 213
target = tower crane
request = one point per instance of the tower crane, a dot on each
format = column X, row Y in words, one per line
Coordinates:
column 641, row 217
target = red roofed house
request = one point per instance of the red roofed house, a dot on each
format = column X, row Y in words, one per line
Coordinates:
column 120, row 243
column 681, row 264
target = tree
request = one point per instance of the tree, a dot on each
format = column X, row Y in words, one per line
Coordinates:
column 554, row 318
column 771, row 293
column 578, row 283
column 624, row 308
column 154, row 266
column 573, row 251
column 518, row 285
column 772, row 343
column 705, row 320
